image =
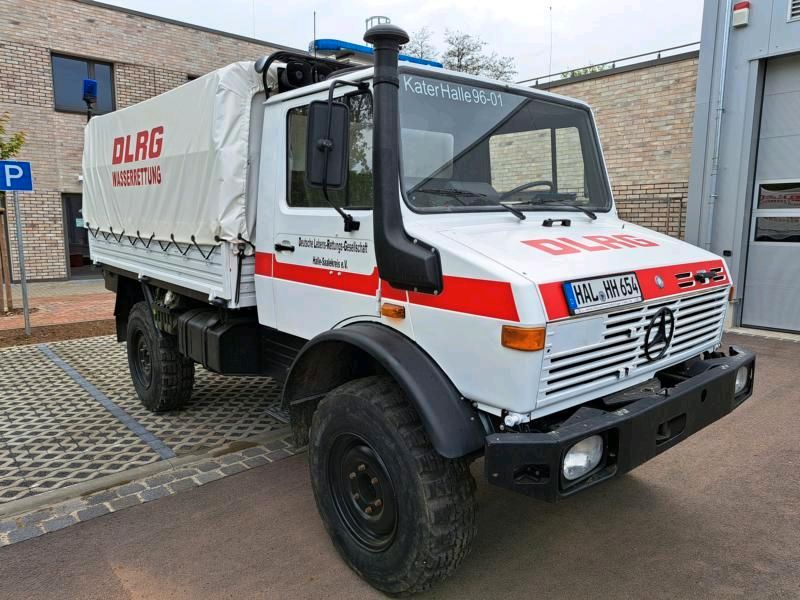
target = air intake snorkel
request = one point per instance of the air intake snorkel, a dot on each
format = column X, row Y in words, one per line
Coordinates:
column 404, row 262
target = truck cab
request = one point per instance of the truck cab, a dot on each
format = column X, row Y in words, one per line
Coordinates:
column 437, row 272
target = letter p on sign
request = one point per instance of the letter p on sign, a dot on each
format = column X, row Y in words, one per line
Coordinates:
column 15, row 176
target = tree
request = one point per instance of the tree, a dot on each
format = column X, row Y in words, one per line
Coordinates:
column 10, row 145
column 465, row 53
column 421, row 45
column 584, row 71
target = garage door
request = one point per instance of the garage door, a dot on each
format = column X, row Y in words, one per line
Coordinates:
column 772, row 282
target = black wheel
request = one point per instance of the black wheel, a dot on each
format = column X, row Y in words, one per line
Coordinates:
column 400, row 515
column 163, row 378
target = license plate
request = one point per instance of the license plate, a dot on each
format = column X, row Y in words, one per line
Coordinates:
column 598, row 293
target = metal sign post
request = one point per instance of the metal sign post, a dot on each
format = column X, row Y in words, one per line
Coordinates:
column 21, row 256
column 15, row 177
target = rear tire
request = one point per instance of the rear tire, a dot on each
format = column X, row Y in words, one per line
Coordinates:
column 162, row 376
column 400, row 515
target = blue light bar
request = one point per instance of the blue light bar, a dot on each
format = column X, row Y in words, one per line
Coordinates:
column 327, row 45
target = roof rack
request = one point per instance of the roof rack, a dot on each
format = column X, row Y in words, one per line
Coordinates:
column 307, row 69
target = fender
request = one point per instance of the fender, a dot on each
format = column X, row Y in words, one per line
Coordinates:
column 340, row 355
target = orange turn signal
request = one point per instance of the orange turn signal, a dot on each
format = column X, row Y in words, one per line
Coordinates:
column 732, row 293
column 394, row 311
column 526, row 339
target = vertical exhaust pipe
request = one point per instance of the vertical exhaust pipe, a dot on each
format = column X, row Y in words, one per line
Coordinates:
column 404, row 262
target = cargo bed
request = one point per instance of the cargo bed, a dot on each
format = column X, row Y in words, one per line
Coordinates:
column 209, row 270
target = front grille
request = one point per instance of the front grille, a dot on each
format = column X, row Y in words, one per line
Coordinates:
column 619, row 352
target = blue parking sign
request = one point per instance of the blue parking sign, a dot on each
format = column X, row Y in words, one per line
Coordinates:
column 15, row 176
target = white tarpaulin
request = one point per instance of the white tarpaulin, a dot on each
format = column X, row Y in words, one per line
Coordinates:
column 181, row 164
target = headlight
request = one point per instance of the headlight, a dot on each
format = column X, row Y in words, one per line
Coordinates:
column 742, row 376
column 582, row 457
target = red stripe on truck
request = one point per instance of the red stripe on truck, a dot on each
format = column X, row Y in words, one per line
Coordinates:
column 556, row 304
column 481, row 297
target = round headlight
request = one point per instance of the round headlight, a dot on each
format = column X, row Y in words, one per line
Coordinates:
column 742, row 375
column 582, row 457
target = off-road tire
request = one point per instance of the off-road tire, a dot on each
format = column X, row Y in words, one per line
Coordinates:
column 167, row 384
column 435, row 496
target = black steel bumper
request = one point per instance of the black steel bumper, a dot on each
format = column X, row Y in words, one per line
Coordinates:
column 530, row 463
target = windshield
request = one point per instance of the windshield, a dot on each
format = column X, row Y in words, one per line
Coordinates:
column 470, row 148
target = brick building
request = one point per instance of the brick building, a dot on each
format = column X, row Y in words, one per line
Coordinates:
column 47, row 46
column 644, row 111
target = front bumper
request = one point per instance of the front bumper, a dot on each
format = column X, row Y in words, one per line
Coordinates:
column 530, row 463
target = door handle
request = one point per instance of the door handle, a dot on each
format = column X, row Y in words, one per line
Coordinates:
column 284, row 247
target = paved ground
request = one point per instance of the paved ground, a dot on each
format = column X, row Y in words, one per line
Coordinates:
column 55, row 303
column 69, row 414
column 716, row 517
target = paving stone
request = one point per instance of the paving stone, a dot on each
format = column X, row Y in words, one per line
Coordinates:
column 275, row 445
column 61, row 436
column 278, row 455
column 34, row 517
column 256, row 461
column 24, row 533
column 182, row 485
column 102, row 497
column 154, row 493
column 208, row 477
column 58, row 523
column 130, row 488
column 230, row 459
column 6, row 526
column 92, row 511
column 257, row 451
column 207, row 466
column 233, row 469
column 159, row 480
column 125, row 502
column 184, row 473
column 69, row 507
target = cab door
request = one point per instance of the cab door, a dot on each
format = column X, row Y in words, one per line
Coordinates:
column 323, row 275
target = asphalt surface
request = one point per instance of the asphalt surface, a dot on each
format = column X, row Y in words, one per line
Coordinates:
column 718, row 516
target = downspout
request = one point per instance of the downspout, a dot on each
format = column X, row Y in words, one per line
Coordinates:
column 713, row 195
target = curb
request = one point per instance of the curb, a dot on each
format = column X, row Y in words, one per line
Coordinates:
column 32, row 517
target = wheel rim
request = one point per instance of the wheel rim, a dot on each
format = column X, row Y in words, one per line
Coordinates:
column 362, row 492
column 142, row 360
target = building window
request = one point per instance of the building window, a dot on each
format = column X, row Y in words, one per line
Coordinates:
column 68, row 75
column 358, row 193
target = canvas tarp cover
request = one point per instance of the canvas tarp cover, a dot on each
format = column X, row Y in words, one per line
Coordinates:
column 177, row 164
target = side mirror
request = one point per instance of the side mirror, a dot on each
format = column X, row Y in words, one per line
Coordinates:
column 327, row 145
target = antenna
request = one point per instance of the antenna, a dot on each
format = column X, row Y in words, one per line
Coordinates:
column 314, row 39
column 550, row 59
column 254, row 19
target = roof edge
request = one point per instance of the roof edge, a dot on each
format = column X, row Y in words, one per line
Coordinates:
column 227, row 34
column 623, row 69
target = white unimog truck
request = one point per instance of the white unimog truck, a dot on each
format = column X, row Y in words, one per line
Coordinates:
column 432, row 265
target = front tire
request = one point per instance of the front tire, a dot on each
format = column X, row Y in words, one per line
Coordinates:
column 399, row 514
column 162, row 376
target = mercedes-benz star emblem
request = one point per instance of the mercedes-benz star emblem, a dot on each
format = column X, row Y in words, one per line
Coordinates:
column 658, row 334
column 659, row 282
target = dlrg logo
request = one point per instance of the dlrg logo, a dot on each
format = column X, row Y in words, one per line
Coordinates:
column 599, row 243
column 148, row 145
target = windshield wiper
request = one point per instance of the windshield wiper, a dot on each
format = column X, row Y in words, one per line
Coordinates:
column 456, row 193
column 576, row 207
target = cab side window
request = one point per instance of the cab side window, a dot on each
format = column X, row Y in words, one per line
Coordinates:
column 358, row 193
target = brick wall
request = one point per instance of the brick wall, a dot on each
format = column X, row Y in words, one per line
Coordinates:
column 645, row 121
column 150, row 56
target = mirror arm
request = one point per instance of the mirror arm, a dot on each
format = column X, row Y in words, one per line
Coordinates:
column 350, row 224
